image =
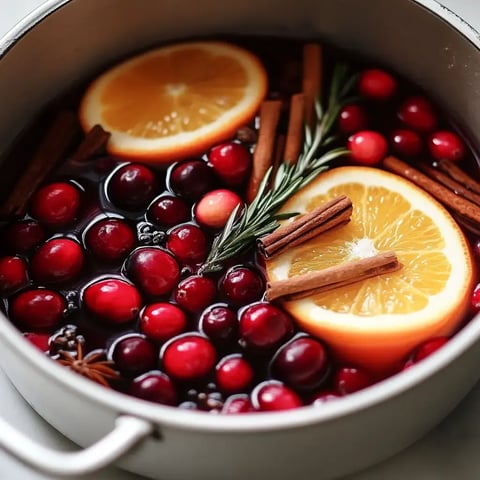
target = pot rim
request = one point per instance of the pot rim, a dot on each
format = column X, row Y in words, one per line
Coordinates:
column 246, row 423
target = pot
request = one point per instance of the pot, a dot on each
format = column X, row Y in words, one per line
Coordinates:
column 68, row 41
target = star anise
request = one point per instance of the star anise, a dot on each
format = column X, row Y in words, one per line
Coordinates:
column 93, row 366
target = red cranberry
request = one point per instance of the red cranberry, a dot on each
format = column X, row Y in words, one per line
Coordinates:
column 153, row 270
column 239, row 403
column 39, row 340
column 242, row 285
column 110, row 239
column 475, row 298
column 162, row 321
column 134, row 355
column 188, row 243
column 219, row 323
column 23, row 236
column 13, row 274
column 191, row 179
column 132, row 187
column 428, row 347
column 274, row 396
column 367, row 147
column 302, row 363
column 406, row 142
column 114, row 301
column 231, row 162
column 324, row 396
column 264, row 326
column 350, row 379
column 233, row 374
column 194, row 293
column 351, row 119
column 377, row 84
column 58, row 260
column 445, row 144
column 215, row 208
column 418, row 113
column 38, row 308
column 56, row 204
column 189, row 357
column 155, row 387
column 169, row 211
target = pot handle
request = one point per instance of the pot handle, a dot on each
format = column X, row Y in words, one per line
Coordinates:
column 128, row 431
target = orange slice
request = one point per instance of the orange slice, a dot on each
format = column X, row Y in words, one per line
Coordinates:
column 377, row 322
column 175, row 101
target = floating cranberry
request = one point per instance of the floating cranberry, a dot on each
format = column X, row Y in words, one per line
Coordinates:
column 215, row 208
column 155, row 387
column 231, row 162
column 428, row 347
column 153, row 270
column 38, row 308
column 272, row 396
column 264, row 326
column 194, row 293
column 324, row 396
column 475, row 298
column 418, row 113
column 168, row 210
column 239, row 403
column 377, row 84
column 234, row 374
column 350, row 379
column 132, row 187
column 58, row 260
column 219, row 323
column 447, row 145
column 191, row 179
column 189, row 357
column 351, row 119
column 39, row 340
column 110, row 239
column 113, row 300
column 242, row 285
column 162, row 321
column 13, row 274
column 406, row 142
column 23, row 236
column 367, row 147
column 134, row 354
column 188, row 243
column 56, row 204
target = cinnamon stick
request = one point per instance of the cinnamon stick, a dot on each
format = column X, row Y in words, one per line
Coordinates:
column 265, row 148
column 325, row 217
column 312, row 78
column 455, row 172
column 313, row 283
column 95, row 140
column 295, row 128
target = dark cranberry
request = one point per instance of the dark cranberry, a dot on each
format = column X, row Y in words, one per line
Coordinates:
column 367, row 147
column 377, row 84
column 153, row 270
column 113, row 300
column 38, row 308
column 188, row 243
column 56, row 204
column 168, row 210
column 162, row 321
column 350, row 379
column 194, row 293
column 233, row 374
column 324, row 396
column 418, row 113
column 110, row 239
column 23, row 236
column 58, row 260
column 214, row 209
column 406, row 142
column 39, row 340
column 219, row 323
column 351, row 119
column 242, row 285
column 447, row 145
column 231, row 162
column 264, row 326
column 189, row 357
column 191, row 179
column 155, row 387
column 134, row 354
column 239, row 403
column 428, row 347
column 475, row 298
column 132, row 187
column 13, row 274
column 302, row 363
column 273, row 396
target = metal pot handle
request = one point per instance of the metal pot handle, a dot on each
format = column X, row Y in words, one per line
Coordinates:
column 127, row 432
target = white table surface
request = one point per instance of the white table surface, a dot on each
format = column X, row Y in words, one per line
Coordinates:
column 450, row 452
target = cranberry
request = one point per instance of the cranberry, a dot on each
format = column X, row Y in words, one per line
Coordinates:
column 194, row 293
column 231, row 162
column 56, row 204
column 351, row 119
column 418, row 113
column 215, row 208
column 239, row 403
column 153, row 270
column 428, row 347
column 233, row 374
column 113, row 300
column 38, row 308
column 155, row 387
column 188, row 243
column 132, row 187
column 350, row 379
column 191, row 179
column 377, row 84
column 324, row 396
column 302, row 363
column 242, row 285
column 273, row 396
column 406, row 142
column 219, row 323
column 23, row 236
column 162, row 321
column 39, row 340
column 13, row 274
column 445, row 144
column 367, row 147
column 264, row 326
column 189, row 357
column 475, row 298
column 168, row 210
column 134, row 354
column 58, row 260
column 110, row 239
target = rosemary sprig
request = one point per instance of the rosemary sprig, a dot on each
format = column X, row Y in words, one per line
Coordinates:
column 246, row 225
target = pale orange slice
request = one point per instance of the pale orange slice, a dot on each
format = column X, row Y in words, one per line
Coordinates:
column 377, row 322
column 175, row 101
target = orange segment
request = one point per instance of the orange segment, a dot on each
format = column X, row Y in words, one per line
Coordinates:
column 376, row 322
column 175, row 101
